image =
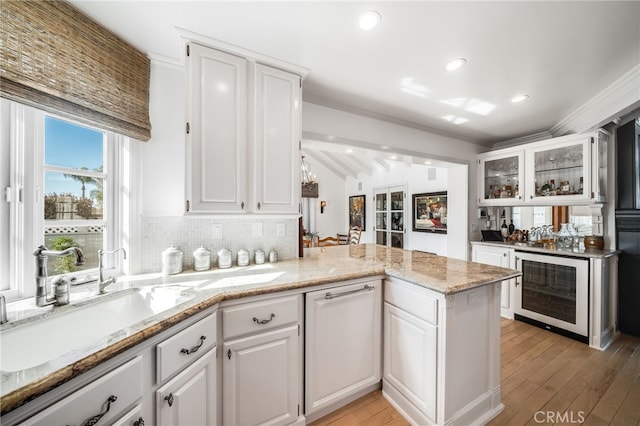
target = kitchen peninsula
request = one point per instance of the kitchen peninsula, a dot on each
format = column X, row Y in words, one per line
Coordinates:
column 442, row 315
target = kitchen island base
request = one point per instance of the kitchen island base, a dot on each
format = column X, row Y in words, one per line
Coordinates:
column 451, row 345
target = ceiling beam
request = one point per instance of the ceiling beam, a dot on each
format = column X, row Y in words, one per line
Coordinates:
column 317, row 156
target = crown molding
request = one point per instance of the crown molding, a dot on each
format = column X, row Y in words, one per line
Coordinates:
column 540, row 136
column 620, row 97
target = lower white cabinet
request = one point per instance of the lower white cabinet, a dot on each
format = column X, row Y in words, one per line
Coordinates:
column 342, row 344
column 104, row 400
column 189, row 398
column 410, row 357
column 498, row 256
column 133, row 418
column 261, row 362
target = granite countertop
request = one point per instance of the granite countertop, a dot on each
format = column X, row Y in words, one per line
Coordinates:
column 553, row 249
column 318, row 266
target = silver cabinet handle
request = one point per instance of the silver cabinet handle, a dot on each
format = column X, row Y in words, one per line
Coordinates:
column 328, row 295
column 264, row 321
column 195, row 348
column 95, row 419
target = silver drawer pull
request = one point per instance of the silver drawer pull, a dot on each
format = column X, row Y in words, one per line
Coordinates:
column 264, row 321
column 330, row 295
column 95, row 419
column 195, row 348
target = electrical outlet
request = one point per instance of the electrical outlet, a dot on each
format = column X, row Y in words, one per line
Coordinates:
column 280, row 229
column 474, row 227
column 216, row 233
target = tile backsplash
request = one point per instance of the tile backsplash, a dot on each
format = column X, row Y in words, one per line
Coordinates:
column 188, row 233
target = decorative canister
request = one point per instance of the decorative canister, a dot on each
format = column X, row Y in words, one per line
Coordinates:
column 201, row 259
column 565, row 239
column 593, row 242
column 243, row 257
column 224, row 258
column 273, row 256
column 171, row 261
column 258, row 256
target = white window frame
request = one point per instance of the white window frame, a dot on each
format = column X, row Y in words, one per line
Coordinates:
column 26, row 194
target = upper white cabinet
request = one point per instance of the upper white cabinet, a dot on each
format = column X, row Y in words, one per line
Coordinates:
column 566, row 170
column 276, row 148
column 243, row 133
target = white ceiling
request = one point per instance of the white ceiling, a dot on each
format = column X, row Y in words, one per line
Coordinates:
column 560, row 53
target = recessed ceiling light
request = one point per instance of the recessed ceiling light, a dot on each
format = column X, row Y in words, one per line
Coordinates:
column 394, row 157
column 349, row 150
column 369, row 20
column 456, row 64
column 519, row 98
column 427, row 162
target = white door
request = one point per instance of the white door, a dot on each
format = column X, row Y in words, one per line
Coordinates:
column 342, row 342
column 189, row 399
column 497, row 256
column 216, row 167
column 410, row 358
column 390, row 216
column 260, row 379
column 276, row 150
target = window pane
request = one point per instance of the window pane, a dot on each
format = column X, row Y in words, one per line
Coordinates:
column 70, row 145
column 87, row 238
column 72, row 197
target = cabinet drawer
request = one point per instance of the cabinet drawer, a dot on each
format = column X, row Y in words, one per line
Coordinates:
column 178, row 351
column 411, row 299
column 124, row 383
column 259, row 316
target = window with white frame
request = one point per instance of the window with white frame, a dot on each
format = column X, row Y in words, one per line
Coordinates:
column 61, row 189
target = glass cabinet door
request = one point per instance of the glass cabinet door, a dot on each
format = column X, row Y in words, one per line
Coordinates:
column 397, row 219
column 500, row 178
column 599, row 150
column 381, row 218
column 560, row 170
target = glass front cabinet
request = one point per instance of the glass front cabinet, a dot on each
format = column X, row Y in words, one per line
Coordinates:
column 390, row 216
column 566, row 170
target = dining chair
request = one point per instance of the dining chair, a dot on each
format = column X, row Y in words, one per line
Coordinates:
column 328, row 241
column 343, row 239
column 354, row 235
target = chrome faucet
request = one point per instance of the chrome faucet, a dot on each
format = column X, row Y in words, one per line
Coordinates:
column 102, row 283
column 41, row 254
column 3, row 310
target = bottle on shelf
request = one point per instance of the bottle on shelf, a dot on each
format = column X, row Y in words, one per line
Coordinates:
column 512, row 227
column 581, row 190
column 504, row 229
column 553, row 186
column 503, row 192
column 517, row 191
column 491, row 195
column 509, row 189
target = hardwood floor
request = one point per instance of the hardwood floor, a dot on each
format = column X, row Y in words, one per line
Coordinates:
column 546, row 379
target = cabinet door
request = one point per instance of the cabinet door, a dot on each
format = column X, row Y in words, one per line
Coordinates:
column 132, row 418
column 190, row 397
column 500, row 178
column 276, row 139
column 410, row 358
column 390, row 216
column 497, row 256
column 342, row 342
column 559, row 171
column 260, row 379
column 217, row 139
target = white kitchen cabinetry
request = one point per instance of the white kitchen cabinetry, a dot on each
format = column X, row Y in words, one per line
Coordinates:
column 276, row 147
column 243, row 135
column 104, row 400
column 343, row 344
column 189, row 398
column 498, row 256
column 560, row 171
column 442, row 353
column 500, row 177
column 261, row 362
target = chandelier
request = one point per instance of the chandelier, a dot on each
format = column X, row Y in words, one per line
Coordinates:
column 309, row 184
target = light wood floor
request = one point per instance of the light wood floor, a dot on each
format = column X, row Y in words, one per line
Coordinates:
column 541, row 372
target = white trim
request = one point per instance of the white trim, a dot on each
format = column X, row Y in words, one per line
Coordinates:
column 620, row 97
column 523, row 140
column 187, row 36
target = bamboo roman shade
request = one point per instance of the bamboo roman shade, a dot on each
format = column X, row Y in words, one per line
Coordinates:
column 57, row 59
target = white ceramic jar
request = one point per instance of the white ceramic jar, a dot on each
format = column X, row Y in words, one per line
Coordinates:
column 243, row 257
column 201, row 259
column 258, row 256
column 273, row 256
column 172, row 261
column 224, row 258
